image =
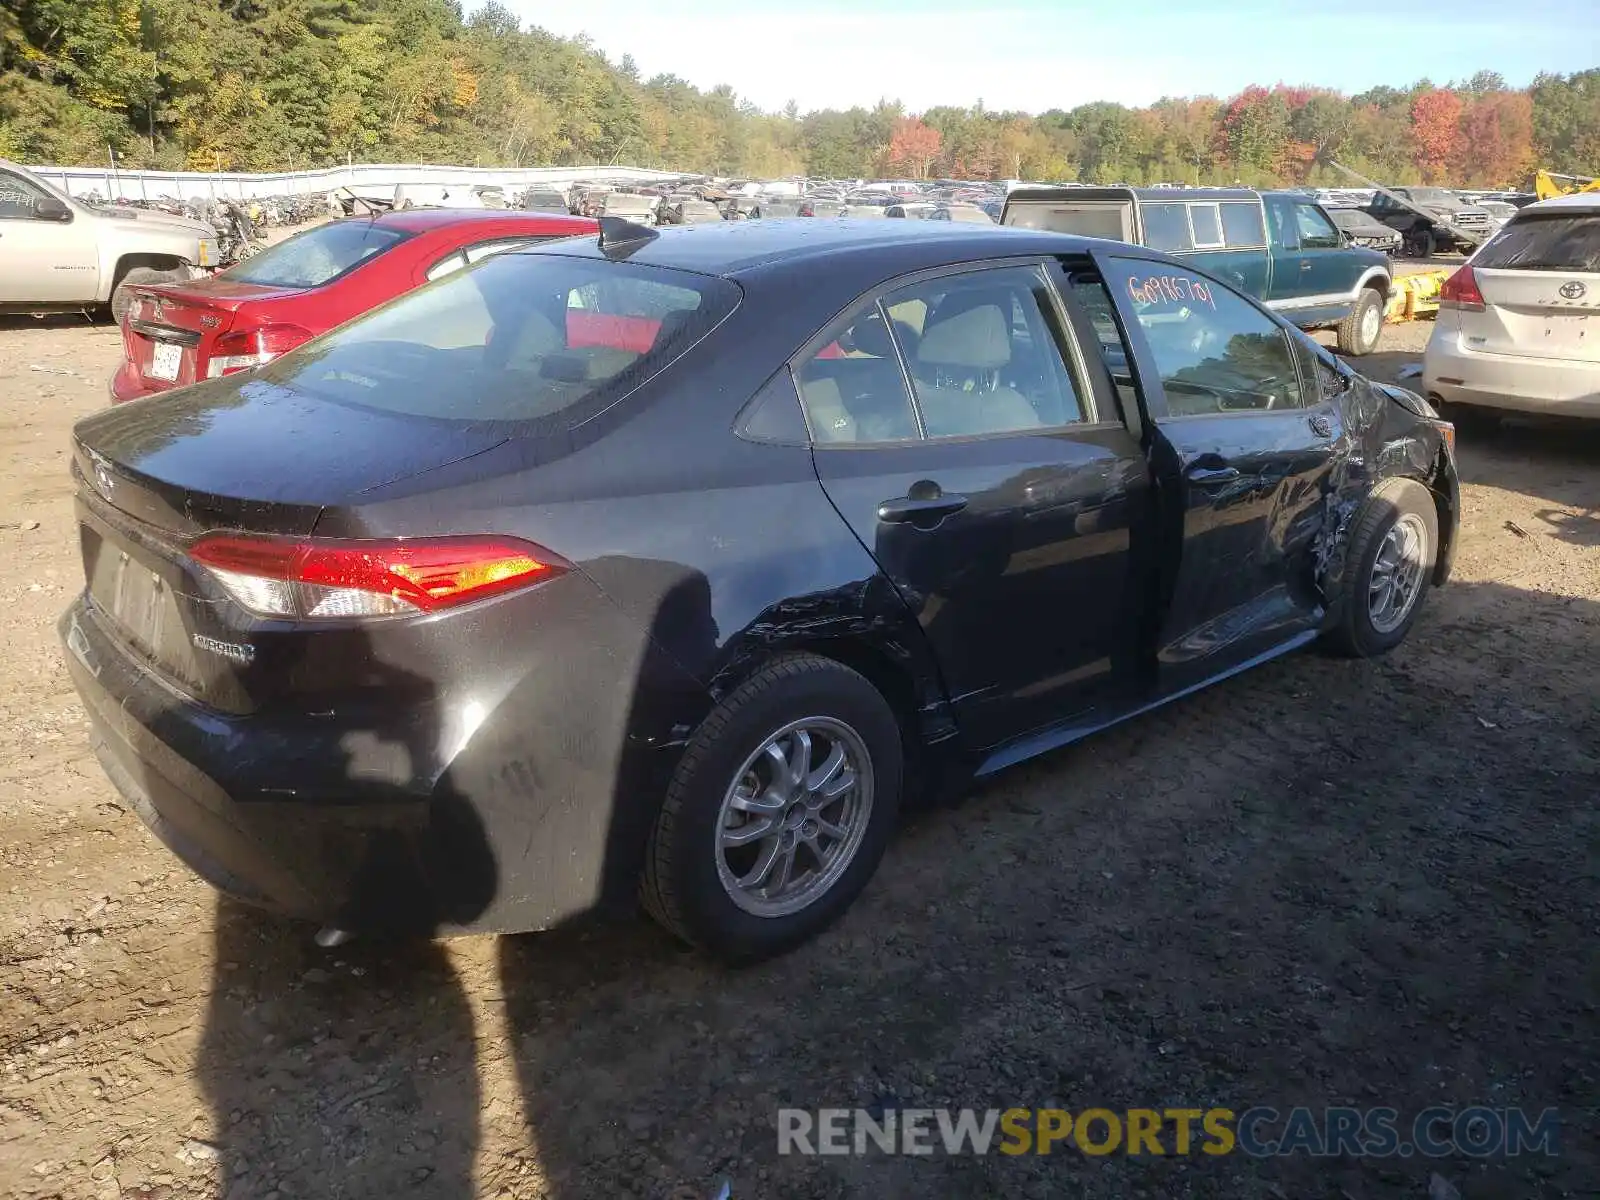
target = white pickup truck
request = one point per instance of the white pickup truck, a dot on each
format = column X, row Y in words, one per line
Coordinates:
column 59, row 254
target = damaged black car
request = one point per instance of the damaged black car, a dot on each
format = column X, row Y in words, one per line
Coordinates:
column 671, row 566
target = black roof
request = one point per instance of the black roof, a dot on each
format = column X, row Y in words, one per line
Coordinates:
column 741, row 248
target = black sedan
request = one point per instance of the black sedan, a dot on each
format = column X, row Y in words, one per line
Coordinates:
column 1361, row 228
column 668, row 564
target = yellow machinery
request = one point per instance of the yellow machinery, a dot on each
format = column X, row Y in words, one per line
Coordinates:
column 1545, row 184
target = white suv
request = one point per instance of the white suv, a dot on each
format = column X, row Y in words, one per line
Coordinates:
column 1519, row 324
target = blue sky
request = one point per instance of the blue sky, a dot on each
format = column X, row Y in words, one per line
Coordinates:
column 1035, row 54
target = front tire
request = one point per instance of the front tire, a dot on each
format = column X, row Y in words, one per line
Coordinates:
column 122, row 296
column 779, row 812
column 1361, row 329
column 1389, row 562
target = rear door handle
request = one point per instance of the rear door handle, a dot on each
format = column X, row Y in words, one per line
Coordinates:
column 1211, row 474
column 924, row 503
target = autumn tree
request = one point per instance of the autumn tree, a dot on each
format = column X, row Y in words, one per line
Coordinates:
column 913, row 147
column 1436, row 132
column 1496, row 147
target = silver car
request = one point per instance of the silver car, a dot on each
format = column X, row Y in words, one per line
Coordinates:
column 1519, row 325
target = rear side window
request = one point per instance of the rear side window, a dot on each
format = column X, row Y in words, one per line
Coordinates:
column 1206, row 223
column 1554, row 242
column 529, row 338
column 317, row 256
column 1166, row 226
column 1241, row 224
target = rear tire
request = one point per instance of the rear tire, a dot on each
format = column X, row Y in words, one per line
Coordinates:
column 1362, row 328
column 1424, row 243
column 732, row 784
column 1389, row 563
column 122, row 298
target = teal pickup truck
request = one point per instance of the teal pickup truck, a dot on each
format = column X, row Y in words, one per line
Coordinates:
column 1280, row 247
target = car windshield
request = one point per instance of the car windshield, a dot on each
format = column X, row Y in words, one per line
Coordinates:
column 1545, row 242
column 1353, row 218
column 317, row 256
column 1436, row 197
column 548, row 341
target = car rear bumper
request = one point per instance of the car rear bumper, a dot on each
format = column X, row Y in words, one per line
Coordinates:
column 129, row 384
column 287, row 814
column 1547, row 386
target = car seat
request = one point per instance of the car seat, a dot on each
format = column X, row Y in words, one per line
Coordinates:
column 965, row 345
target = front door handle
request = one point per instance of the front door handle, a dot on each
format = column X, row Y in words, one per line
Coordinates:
column 1305, row 264
column 1204, row 475
column 924, row 503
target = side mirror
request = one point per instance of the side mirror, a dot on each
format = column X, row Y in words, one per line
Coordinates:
column 51, row 208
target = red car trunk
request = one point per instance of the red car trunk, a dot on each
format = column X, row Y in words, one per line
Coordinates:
column 172, row 331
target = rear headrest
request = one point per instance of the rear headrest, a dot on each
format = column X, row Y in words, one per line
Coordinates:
column 871, row 336
column 977, row 337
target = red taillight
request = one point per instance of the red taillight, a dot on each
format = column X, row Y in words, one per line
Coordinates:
column 243, row 349
column 333, row 579
column 1461, row 291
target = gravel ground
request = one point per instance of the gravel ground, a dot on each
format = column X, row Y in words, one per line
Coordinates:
column 1325, row 882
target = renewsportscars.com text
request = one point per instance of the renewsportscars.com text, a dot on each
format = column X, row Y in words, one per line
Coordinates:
column 1258, row 1132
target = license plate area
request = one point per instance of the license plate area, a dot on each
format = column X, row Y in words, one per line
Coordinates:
column 165, row 359
column 139, row 607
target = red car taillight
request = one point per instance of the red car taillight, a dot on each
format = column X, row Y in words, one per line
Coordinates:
column 1461, row 291
column 243, row 349
column 336, row 579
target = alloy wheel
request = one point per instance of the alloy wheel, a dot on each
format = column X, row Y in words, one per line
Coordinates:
column 793, row 820
column 1397, row 571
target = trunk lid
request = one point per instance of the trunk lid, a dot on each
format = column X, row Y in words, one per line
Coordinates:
column 172, row 329
column 1537, row 314
column 1540, row 280
column 232, row 454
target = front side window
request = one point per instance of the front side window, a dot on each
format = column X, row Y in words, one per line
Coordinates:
column 1280, row 221
column 317, row 256
column 18, row 197
column 1316, row 231
column 522, row 337
column 1215, row 351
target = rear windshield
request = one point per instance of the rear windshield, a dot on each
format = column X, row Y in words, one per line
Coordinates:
column 1545, row 242
column 317, row 256
column 532, row 338
column 1086, row 220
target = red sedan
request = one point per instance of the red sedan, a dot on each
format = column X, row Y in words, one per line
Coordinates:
column 179, row 333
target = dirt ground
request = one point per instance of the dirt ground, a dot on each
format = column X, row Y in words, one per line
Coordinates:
column 1325, row 882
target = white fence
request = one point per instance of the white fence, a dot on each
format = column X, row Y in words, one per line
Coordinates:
column 375, row 180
